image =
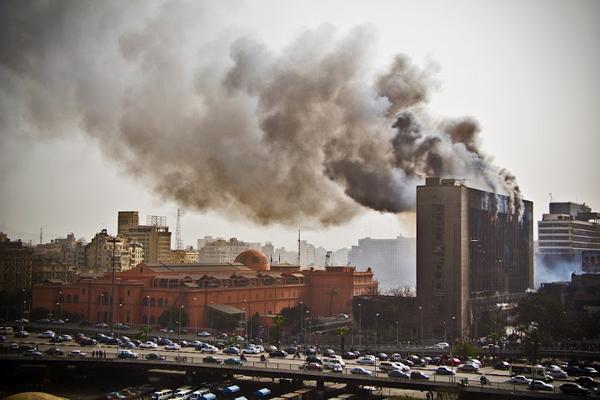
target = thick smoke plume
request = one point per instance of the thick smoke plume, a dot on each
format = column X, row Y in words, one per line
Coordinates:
column 306, row 135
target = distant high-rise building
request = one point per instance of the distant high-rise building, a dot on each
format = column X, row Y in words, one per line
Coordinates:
column 392, row 260
column 186, row 256
column 105, row 250
column 471, row 249
column 567, row 231
column 16, row 264
column 69, row 251
column 127, row 219
column 222, row 251
column 155, row 238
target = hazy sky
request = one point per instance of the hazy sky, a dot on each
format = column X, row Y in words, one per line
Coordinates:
column 527, row 71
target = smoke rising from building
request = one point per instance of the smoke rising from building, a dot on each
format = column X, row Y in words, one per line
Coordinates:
column 214, row 120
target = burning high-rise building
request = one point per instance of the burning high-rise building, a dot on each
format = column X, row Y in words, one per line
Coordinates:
column 474, row 252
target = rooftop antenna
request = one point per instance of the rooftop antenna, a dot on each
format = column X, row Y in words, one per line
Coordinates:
column 550, row 194
column 41, row 235
column 178, row 240
column 298, row 247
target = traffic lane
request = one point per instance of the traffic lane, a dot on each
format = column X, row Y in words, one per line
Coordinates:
column 278, row 363
column 494, row 376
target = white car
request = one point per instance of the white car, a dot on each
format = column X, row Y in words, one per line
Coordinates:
column 360, row 371
column 77, row 354
column 520, row 380
column 172, row 346
column 329, row 363
column 47, row 334
column 203, row 334
column 541, row 385
column 366, row 360
column 209, row 349
column 558, row 374
column 251, row 350
column 148, row 345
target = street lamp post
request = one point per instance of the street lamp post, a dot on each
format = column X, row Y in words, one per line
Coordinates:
column 396, row 333
column 453, row 329
column 444, row 323
column 302, row 321
column 421, row 312
column 376, row 331
column 308, row 322
column 180, row 323
column 119, row 314
column 147, row 316
column 102, row 310
column 59, row 311
column 359, row 325
column 195, row 312
column 245, row 308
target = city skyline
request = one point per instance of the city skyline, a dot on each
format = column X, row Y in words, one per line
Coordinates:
column 483, row 68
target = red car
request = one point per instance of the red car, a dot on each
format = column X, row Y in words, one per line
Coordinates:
column 312, row 367
column 453, row 362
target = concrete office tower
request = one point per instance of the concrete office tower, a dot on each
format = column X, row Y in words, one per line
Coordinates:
column 127, row 219
column 392, row 260
column 222, row 251
column 155, row 239
column 470, row 249
column 100, row 251
column 563, row 235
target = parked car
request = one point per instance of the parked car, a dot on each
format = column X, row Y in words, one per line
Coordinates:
column 77, row 354
column 127, row 354
column 148, row 345
column 442, row 370
column 520, row 380
column 203, row 334
column 541, row 385
column 251, row 350
column 101, row 325
column 589, row 371
column 86, row 341
column 311, row 367
column 172, row 347
column 455, row 362
column 21, row 334
column 212, row 360
column 349, row 355
column 233, row 361
column 337, row 368
column 468, row 368
column 558, row 374
column 587, row 382
column 46, row 334
column 419, row 375
column 209, row 349
column 232, row 350
column 383, row 357
column 155, row 356
column 366, row 360
column 54, row 351
column 278, row 354
column 396, row 373
column 573, row 388
column 502, row 365
column 360, row 371
column 32, row 353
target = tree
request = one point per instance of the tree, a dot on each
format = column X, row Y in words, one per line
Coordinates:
column 464, row 350
column 342, row 331
column 39, row 313
column 170, row 317
column 278, row 321
column 402, row 291
column 549, row 315
column 225, row 322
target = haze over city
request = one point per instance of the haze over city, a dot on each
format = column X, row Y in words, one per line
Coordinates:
column 79, row 141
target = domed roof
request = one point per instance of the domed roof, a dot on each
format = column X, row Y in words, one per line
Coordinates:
column 254, row 259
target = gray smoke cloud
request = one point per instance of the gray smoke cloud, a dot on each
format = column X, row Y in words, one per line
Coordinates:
column 308, row 134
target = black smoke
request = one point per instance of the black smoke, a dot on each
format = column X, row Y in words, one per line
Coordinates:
column 308, row 134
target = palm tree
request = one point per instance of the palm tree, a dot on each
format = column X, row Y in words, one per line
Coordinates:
column 278, row 321
column 342, row 331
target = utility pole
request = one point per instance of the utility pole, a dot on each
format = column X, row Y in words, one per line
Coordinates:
column 112, row 289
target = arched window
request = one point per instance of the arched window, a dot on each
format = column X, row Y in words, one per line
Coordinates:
column 145, row 301
column 159, row 302
column 152, row 320
column 144, row 319
column 152, row 302
column 75, row 299
column 68, row 298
